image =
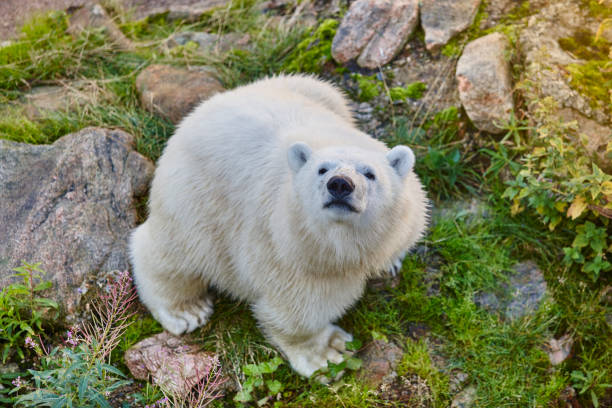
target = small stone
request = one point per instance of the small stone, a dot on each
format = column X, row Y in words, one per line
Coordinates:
column 457, row 379
column 402, row 20
column 528, row 289
column 465, row 399
column 443, row 19
column 560, row 349
column 210, row 43
column 379, row 359
column 94, row 16
column 189, row 10
column 409, row 391
column 71, row 206
column 488, row 301
column 42, row 100
column 417, row 331
column 171, row 363
column 363, row 19
column 485, row 82
column 173, row 92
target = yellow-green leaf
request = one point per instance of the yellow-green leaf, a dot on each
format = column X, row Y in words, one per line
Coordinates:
column 578, row 206
column 606, row 188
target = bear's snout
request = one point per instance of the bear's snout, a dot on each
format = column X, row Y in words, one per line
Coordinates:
column 340, row 186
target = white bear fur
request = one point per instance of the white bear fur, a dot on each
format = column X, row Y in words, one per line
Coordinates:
column 233, row 207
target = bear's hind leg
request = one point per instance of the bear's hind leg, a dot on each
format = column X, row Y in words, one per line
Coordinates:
column 179, row 301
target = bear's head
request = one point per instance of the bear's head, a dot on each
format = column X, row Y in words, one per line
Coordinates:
column 347, row 184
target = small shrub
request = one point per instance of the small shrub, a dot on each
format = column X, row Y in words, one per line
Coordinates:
column 79, row 373
column 22, row 311
column 562, row 183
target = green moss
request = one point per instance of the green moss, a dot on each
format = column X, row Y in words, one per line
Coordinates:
column 313, row 52
column 583, row 45
column 594, row 80
column 453, row 48
column 369, row 87
column 597, row 8
column 414, row 90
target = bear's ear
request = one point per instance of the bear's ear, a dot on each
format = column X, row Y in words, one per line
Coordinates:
column 298, row 155
column 401, row 158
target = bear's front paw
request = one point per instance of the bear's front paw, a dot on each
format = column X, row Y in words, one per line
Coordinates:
column 186, row 319
column 396, row 266
column 313, row 355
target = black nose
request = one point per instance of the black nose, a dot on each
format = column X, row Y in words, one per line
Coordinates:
column 340, row 187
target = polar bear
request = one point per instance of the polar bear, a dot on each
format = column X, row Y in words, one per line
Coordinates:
column 270, row 194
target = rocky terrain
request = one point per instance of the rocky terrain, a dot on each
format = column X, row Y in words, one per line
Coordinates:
column 507, row 105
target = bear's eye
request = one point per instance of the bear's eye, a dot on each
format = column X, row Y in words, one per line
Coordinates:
column 370, row 175
column 322, row 170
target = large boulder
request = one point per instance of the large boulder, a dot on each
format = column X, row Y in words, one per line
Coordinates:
column 443, row 19
column 70, row 206
column 173, row 92
column 546, row 74
column 388, row 42
column 375, row 31
column 485, row 82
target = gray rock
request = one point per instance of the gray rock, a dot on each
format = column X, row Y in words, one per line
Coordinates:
column 70, row 206
column 485, row 82
column 363, row 19
column 546, row 77
column 488, row 301
column 190, row 10
column 173, row 364
column 94, row 16
column 465, row 399
column 527, row 290
column 544, row 58
column 521, row 296
column 210, row 43
column 173, row 92
column 443, row 19
column 388, row 42
column 379, row 360
column 44, row 100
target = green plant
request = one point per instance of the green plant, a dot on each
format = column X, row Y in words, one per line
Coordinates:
column 414, row 90
column 79, row 373
column 563, row 184
column 22, row 311
column 255, row 382
column 71, row 377
column 350, row 362
column 589, row 382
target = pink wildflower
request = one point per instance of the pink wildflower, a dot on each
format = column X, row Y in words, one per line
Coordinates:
column 17, row 382
column 30, row 343
column 70, row 339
